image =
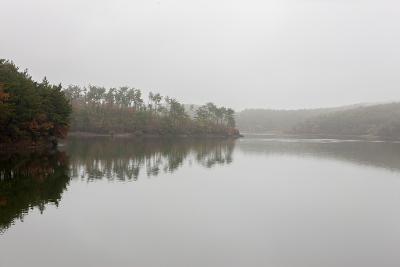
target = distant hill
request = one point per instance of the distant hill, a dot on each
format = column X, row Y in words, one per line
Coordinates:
column 279, row 121
column 381, row 120
column 378, row 120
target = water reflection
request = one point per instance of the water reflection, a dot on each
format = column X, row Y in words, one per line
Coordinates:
column 375, row 154
column 279, row 203
column 30, row 180
column 125, row 159
column 34, row 179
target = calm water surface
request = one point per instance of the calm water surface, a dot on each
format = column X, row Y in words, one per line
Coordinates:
column 253, row 202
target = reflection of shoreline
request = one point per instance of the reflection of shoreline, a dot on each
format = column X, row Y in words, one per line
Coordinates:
column 124, row 158
column 229, row 135
column 35, row 179
column 29, row 180
column 369, row 153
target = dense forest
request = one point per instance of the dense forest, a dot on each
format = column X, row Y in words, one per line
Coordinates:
column 279, row 121
column 30, row 111
column 377, row 120
column 125, row 110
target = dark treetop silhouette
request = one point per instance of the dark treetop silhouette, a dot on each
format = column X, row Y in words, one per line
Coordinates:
column 30, row 111
column 123, row 110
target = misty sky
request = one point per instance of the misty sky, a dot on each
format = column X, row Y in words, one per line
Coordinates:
column 270, row 54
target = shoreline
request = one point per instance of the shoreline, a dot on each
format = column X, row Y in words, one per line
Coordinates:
column 153, row 136
column 28, row 145
column 324, row 136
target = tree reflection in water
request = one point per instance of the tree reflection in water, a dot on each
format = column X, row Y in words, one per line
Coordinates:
column 35, row 179
column 29, row 180
column 124, row 159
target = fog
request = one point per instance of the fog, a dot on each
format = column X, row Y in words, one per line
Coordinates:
column 270, row 54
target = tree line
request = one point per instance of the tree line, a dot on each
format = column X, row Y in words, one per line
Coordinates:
column 126, row 110
column 39, row 111
column 30, row 110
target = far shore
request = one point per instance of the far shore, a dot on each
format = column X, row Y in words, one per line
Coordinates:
column 27, row 145
column 145, row 135
column 322, row 136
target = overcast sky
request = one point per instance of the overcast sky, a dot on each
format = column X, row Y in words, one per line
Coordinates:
column 270, row 54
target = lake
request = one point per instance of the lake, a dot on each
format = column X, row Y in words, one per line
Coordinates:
column 256, row 201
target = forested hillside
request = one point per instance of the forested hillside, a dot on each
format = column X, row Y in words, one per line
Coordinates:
column 380, row 120
column 279, row 121
column 269, row 120
column 30, row 111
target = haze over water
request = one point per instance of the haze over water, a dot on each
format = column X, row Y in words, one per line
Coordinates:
column 251, row 202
